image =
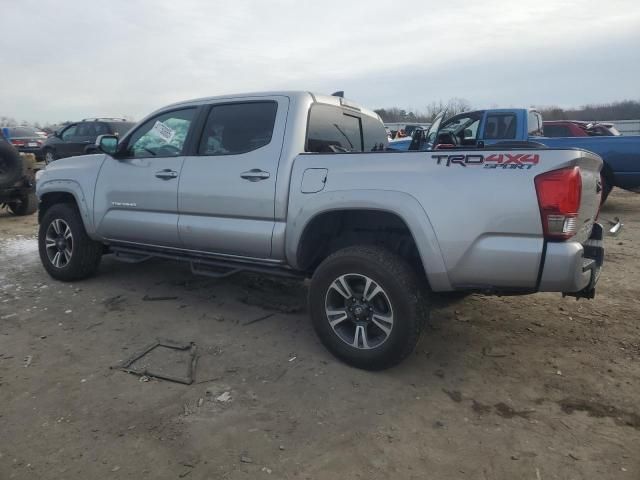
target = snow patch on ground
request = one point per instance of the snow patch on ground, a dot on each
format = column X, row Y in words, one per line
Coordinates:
column 15, row 253
column 19, row 246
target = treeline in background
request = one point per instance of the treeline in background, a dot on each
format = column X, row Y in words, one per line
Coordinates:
column 623, row 110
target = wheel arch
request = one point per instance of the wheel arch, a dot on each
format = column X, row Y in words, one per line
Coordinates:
column 64, row 191
column 313, row 232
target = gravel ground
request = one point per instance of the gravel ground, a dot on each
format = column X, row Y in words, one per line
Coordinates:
column 533, row 387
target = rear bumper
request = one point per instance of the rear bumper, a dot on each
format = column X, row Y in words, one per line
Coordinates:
column 573, row 268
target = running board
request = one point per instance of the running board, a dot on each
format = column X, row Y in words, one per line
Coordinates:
column 130, row 257
column 216, row 268
column 200, row 268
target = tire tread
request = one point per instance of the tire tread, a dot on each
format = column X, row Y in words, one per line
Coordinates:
column 401, row 273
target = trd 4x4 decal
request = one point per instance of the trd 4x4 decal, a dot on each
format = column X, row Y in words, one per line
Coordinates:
column 523, row 161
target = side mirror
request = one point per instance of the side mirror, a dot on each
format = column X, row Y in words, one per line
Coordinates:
column 107, row 144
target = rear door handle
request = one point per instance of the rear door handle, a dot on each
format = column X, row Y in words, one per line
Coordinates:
column 255, row 175
column 167, row 174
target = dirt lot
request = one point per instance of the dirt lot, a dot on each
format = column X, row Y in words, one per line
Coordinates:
column 535, row 387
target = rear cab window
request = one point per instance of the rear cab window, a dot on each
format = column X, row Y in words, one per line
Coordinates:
column 500, row 126
column 337, row 129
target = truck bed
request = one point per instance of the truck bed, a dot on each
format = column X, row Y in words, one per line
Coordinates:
column 482, row 228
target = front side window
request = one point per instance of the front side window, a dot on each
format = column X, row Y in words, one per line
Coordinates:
column 69, row 132
column 162, row 136
column 331, row 129
column 236, row 128
column 500, row 127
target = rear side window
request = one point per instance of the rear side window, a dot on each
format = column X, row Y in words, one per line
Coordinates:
column 331, row 129
column 557, row 131
column 535, row 124
column 236, row 128
column 120, row 128
column 500, row 126
column 86, row 130
column 102, row 129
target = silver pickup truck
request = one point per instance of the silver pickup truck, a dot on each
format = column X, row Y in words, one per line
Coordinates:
column 298, row 184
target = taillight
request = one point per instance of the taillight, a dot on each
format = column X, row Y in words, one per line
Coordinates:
column 559, row 193
column 17, row 143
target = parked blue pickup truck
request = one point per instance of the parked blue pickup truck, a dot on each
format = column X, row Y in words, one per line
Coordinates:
column 508, row 127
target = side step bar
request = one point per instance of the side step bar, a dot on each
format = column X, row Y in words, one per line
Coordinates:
column 216, row 268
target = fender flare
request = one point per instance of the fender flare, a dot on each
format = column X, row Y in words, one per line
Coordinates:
column 398, row 203
column 73, row 188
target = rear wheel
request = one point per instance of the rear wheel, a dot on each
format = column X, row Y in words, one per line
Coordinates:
column 66, row 251
column 367, row 307
column 27, row 205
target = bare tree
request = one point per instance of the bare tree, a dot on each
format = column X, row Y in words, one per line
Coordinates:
column 453, row 106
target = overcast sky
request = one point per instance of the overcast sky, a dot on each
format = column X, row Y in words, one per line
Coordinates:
column 69, row 59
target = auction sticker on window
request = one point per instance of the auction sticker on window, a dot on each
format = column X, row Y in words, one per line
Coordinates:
column 163, row 132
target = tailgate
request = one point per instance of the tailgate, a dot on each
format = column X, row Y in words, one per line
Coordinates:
column 590, row 166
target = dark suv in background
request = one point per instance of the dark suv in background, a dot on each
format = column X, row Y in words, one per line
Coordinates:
column 79, row 138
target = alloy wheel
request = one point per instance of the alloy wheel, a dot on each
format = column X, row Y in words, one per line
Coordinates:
column 59, row 243
column 359, row 311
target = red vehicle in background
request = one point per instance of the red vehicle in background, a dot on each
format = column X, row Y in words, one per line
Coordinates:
column 576, row 128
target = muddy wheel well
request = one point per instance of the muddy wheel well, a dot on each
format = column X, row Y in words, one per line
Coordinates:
column 49, row 199
column 332, row 231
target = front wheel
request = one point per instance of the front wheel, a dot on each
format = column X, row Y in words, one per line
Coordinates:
column 367, row 307
column 66, row 251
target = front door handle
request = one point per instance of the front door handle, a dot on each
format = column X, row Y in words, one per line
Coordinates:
column 167, row 174
column 255, row 175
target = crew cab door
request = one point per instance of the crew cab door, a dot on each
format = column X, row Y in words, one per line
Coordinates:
column 227, row 188
column 136, row 197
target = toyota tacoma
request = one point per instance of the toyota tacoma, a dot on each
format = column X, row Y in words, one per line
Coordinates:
column 302, row 185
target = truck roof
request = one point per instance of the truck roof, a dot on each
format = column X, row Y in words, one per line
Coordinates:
column 296, row 94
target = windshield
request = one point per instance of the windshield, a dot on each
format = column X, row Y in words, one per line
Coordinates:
column 435, row 126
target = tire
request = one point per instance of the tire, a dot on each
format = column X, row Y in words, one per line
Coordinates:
column 49, row 156
column 27, row 205
column 357, row 337
column 10, row 165
column 83, row 254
